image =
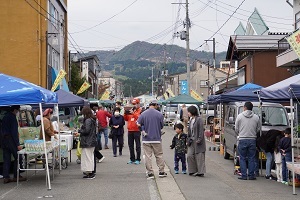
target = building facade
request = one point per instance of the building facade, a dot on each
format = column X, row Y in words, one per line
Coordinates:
column 34, row 40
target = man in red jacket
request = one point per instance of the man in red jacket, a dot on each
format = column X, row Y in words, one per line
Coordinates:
column 102, row 116
column 134, row 133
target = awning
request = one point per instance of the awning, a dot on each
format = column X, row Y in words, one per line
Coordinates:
column 65, row 86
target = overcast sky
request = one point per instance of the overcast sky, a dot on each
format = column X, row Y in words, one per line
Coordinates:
column 113, row 24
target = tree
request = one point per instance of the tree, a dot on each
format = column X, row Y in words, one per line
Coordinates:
column 76, row 81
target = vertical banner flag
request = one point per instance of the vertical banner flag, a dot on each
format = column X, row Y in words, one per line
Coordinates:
column 184, row 87
column 105, row 95
column 294, row 41
column 195, row 95
column 166, row 96
column 83, row 87
column 170, row 92
column 61, row 74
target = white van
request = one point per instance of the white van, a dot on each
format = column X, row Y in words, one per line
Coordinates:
column 274, row 117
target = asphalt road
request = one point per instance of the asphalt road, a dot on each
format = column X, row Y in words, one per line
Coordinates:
column 117, row 180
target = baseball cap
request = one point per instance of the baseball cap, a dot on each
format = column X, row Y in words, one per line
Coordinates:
column 135, row 101
column 153, row 102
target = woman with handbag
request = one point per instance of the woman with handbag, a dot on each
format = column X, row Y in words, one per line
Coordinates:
column 196, row 144
column 88, row 141
column 117, row 123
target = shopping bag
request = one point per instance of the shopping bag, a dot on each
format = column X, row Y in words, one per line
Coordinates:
column 78, row 152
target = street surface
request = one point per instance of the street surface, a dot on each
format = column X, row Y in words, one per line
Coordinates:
column 117, row 180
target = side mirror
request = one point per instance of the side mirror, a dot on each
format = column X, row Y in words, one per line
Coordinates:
column 231, row 120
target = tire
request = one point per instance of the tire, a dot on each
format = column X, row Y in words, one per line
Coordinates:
column 236, row 159
column 225, row 154
column 210, row 120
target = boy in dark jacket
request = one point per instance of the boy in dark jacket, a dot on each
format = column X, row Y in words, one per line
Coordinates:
column 179, row 143
column 285, row 148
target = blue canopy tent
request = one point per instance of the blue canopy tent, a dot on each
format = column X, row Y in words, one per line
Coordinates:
column 68, row 99
column 16, row 91
column 243, row 93
column 284, row 91
column 182, row 98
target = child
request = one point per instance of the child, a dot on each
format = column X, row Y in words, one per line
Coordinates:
column 286, row 153
column 179, row 143
column 278, row 159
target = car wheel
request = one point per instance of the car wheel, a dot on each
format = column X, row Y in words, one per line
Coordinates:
column 225, row 154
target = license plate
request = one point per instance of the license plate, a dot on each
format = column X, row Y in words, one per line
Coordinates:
column 262, row 156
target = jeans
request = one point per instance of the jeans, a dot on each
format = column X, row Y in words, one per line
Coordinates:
column 177, row 158
column 105, row 132
column 9, row 148
column 134, row 136
column 269, row 163
column 286, row 158
column 120, row 139
column 247, row 151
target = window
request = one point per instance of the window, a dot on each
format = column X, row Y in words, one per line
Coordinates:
column 297, row 20
column 203, row 83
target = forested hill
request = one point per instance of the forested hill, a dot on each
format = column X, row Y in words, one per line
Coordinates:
column 133, row 63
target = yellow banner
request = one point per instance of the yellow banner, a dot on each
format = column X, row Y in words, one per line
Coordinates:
column 170, row 92
column 58, row 79
column 105, row 95
column 195, row 95
column 83, row 87
column 294, row 41
column 166, row 96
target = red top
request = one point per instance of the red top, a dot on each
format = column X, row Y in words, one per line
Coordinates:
column 101, row 116
column 131, row 120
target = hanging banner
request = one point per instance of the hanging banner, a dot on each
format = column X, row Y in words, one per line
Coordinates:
column 166, row 96
column 184, row 87
column 105, row 95
column 83, row 87
column 294, row 41
column 61, row 74
column 195, row 95
column 170, row 92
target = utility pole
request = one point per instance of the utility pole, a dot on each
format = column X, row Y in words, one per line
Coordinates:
column 164, row 70
column 208, row 81
column 187, row 48
column 185, row 35
column 214, row 64
column 61, row 49
column 152, row 86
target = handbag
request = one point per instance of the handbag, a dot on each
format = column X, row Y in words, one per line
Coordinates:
column 110, row 135
column 100, row 128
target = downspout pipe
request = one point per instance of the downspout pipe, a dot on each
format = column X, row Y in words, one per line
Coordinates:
column 288, row 2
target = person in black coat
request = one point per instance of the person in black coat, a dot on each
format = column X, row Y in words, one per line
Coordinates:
column 117, row 123
column 267, row 143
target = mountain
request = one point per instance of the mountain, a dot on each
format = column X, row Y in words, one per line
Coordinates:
column 138, row 51
column 133, row 64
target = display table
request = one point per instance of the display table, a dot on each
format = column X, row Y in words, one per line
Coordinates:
column 26, row 155
column 66, row 138
column 296, row 167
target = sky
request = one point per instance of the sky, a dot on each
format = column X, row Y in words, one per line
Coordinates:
column 113, row 24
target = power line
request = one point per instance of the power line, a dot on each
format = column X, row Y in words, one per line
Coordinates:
column 224, row 22
column 106, row 19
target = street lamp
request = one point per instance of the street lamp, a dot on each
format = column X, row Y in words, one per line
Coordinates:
column 214, row 61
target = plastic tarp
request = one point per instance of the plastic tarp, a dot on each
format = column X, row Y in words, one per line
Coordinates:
column 283, row 90
column 16, row 91
column 243, row 93
column 68, row 99
column 182, row 98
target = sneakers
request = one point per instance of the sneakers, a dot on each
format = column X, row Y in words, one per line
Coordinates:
column 137, row 162
column 176, row 171
column 7, row 180
column 21, row 178
column 100, row 160
column 284, row 182
column 162, row 174
column 106, row 147
column 183, row 171
column 150, row 176
column 115, row 155
column 130, row 162
column 89, row 176
column 120, row 153
column 270, row 177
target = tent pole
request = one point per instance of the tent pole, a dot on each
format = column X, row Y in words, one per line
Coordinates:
column 292, row 143
column 45, row 149
column 59, row 150
column 260, row 130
